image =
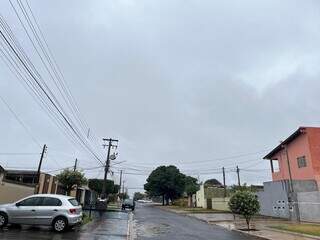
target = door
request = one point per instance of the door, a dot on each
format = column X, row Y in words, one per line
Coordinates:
column 24, row 211
column 49, row 208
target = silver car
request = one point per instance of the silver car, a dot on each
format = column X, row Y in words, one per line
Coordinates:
column 59, row 211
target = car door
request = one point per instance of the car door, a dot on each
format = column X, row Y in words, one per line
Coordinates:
column 23, row 212
column 48, row 209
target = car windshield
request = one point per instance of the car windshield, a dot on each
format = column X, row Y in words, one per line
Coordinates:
column 128, row 201
column 73, row 201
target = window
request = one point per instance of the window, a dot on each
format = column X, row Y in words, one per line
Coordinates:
column 34, row 201
column 302, row 162
column 49, row 201
column 275, row 165
column 74, row 202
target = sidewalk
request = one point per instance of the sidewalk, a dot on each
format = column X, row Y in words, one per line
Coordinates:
column 226, row 220
column 107, row 225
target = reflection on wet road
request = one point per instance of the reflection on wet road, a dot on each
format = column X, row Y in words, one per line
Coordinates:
column 149, row 223
column 109, row 225
column 156, row 224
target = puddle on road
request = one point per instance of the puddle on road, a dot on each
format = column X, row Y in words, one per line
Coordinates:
column 150, row 229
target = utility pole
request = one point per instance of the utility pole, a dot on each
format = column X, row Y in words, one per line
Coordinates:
column 120, row 182
column 292, row 197
column 224, row 182
column 106, row 169
column 75, row 165
column 238, row 173
column 36, row 190
column 123, row 190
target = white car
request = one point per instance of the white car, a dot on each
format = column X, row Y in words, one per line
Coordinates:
column 58, row 211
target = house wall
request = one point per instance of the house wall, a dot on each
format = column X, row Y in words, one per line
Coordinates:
column 47, row 184
column 314, row 140
column 11, row 192
column 200, row 200
column 213, row 194
column 297, row 148
column 220, row 204
column 274, row 199
column 309, row 206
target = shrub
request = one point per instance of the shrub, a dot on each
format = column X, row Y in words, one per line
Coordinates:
column 244, row 203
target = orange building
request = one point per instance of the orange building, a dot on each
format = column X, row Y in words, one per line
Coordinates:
column 297, row 157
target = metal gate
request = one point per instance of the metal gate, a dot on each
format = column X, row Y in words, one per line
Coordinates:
column 209, row 203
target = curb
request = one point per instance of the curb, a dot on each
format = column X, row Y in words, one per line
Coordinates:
column 130, row 227
column 252, row 235
column 294, row 233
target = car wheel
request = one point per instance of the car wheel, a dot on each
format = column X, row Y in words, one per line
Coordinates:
column 60, row 224
column 3, row 219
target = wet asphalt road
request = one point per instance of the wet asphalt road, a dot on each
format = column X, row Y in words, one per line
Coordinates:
column 149, row 223
column 109, row 225
column 154, row 223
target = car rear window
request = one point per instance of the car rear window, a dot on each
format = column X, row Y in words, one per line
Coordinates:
column 73, row 201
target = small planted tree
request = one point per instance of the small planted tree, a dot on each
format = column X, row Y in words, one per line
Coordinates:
column 70, row 179
column 244, row 203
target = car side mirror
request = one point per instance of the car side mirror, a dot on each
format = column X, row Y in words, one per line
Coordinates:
column 17, row 204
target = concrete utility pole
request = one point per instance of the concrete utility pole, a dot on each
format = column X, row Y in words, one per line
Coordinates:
column 36, row 190
column 238, row 173
column 224, row 182
column 123, row 189
column 75, row 165
column 292, row 196
column 106, row 169
column 120, row 182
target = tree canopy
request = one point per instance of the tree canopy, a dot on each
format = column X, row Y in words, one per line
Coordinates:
column 191, row 185
column 138, row 196
column 96, row 185
column 168, row 182
column 69, row 179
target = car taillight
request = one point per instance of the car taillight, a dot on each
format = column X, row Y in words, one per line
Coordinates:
column 72, row 210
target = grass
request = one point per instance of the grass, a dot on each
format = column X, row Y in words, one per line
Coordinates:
column 197, row 210
column 86, row 219
column 310, row 229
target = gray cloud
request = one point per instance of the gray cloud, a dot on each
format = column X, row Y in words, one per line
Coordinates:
column 175, row 81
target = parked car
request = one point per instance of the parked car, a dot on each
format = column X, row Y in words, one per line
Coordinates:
column 58, row 211
column 128, row 203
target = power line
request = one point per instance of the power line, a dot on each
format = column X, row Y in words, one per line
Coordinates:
column 17, row 153
column 49, row 96
column 20, row 121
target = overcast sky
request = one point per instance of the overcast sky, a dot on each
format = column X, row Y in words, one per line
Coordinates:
column 190, row 83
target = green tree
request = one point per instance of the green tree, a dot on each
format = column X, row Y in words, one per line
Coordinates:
column 70, row 179
column 165, row 181
column 244, row 203
column 191, row 187
column 96, row 185
column 138, row 196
